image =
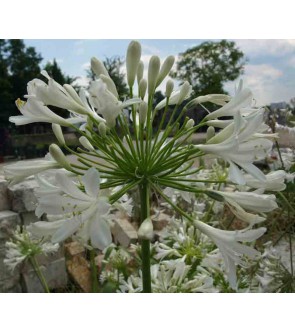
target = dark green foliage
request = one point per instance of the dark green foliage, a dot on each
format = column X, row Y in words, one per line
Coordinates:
column 208, row 66
column 55, row 72
column 18, row 65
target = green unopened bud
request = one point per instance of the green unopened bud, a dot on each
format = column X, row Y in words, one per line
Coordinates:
column 142, row 88
column 145, row 231
column 59, row 156
column 140, row 70
column 184, row 91
column 102, row 129
column 110, row 85
column 98, row 67
column 58, row 134
column 153, row 72
column 210, row 133
column 132, row 61
column 86, row 144
column 143, row 108
column 165, row 69
column 190, row 124
column 169, row 88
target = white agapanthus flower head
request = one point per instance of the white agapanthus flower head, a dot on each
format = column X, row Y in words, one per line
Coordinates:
column 23, row 246
column 81, row 205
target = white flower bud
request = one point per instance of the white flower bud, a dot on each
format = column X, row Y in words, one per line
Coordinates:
column 143, row 108
column 98, row 67
column 59, row 156
column 110, row 85
column 132, row 61
column 169, row 88
column 153, row 72
column 102, row 129
column 58, row 134
column 140, row 70
column 145, row 231
column 185, row 89
column 190, row 124
column 210, row 133
column 86, row 144
column 142, row 88
column 165, row 69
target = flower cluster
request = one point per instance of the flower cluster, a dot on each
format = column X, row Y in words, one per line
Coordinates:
column 24, row 246
column 117, row 156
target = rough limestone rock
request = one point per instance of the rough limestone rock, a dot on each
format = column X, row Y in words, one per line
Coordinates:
column 4, row 200
column 22, row 196
column 124, row 233
column 54, row 273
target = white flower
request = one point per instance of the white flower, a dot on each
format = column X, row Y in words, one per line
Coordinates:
column 229, row 246
column 83, row 211
column 240, row 102
column 56, row 95
column 177, row 97
column 252, row 201
column 274, row 181
column 238, row 147
column 23, row 246
column 106, row 103
column 35, row 111
column 17, row 172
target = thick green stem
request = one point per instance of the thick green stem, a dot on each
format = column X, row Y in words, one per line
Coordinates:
column 39, row 274
column 145, row 244
column 94, row 275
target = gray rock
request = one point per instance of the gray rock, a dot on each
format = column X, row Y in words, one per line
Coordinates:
column 5, row 203
column 124, row 233
column 54, row 273
column 8, row 222
column 22, row 196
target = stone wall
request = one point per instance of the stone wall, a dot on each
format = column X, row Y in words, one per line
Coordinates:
column 17, row 206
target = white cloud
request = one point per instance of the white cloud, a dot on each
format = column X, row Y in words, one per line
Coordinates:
column 86, row 66
column 150, row 49
column 264, row 81
column 81, row 81
column 274, row 47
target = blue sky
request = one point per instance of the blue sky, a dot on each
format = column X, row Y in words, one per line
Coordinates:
column 269, row 72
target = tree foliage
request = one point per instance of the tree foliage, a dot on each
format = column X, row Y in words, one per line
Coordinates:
column 209, row 65
column 18, row 65
column 56, row 73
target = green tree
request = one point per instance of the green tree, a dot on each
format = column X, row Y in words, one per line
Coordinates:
column 18, row 65
column 113, row 66
column 56, row 73
column 209, row 65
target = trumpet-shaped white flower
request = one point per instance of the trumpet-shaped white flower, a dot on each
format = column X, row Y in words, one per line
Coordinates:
column 56, row 95
column 252, row 201
column 177, row 97
column 17, row 172
column 228, row 243
column 237, row 146
column 275, row 181
column 35, row 111
column 240, row 102
column 106, row 103
column 83, row 210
